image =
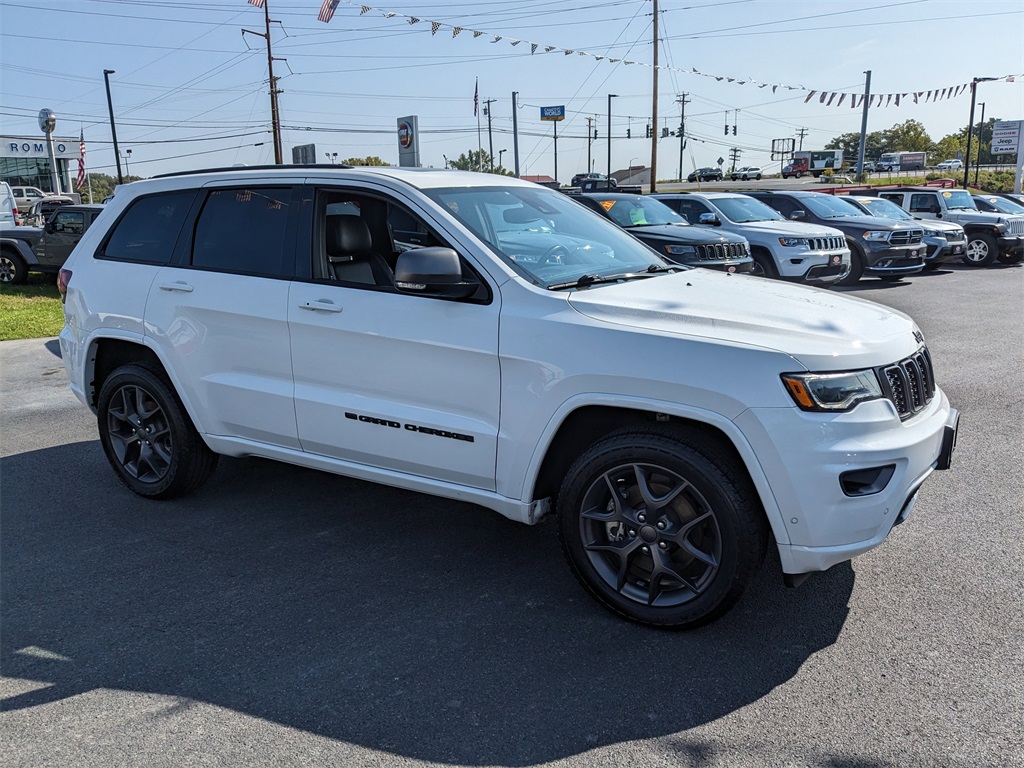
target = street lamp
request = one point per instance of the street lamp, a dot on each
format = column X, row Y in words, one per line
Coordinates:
column 113, row 131
column 332, row 156
column 981, row 127
column 500, row 153
column 610, row 97
column 127, row 157
column 970, row 125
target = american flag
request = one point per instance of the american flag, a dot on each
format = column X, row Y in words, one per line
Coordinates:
column 81, row 159
column 257, row 3
column 327, row 10
column 476, row 98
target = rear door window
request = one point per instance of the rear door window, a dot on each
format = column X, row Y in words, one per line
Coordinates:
column 245, row 230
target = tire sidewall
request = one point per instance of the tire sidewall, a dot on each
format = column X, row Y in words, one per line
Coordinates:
column 13, row 266
column 990, row 245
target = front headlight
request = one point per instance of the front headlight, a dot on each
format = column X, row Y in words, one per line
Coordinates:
column 832, row 391
column 792, row 242
column 680, row 250
column 876, row 236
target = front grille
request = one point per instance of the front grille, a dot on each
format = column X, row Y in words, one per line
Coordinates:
column 954, row 237
column 906, row 237
column 826, row 243
column 1015, row 226
column 910, row 383
column 722, row 251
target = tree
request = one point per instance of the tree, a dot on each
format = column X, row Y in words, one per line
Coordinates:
column 370, row 160
column 472, row 160
column 908, row 136
column 874, row 145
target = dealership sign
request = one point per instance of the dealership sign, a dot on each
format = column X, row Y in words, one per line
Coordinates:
column 20, row 146
column 409, row 142
column 1006, row 137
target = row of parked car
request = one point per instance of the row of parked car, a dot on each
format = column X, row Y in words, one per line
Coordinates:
column 819, row 238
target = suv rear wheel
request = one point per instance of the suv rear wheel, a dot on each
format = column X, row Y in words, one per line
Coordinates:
column 660, row 527
column 148, row 437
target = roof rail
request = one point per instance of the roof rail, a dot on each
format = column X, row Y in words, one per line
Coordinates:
column 240, row 168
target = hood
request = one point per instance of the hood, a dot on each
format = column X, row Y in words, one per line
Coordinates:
column 682, row 233
column 787, row 228
column 22, row 233
column 822, row 330
column 872, row 222
column 937, row 225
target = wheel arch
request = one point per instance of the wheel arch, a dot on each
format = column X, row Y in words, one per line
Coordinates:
column 588, row 423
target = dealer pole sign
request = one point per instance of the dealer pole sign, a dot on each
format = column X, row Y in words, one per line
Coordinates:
column 554, row 115
column 1006, row 141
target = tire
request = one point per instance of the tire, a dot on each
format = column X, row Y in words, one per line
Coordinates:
column 758, row 177
column 12, row 269
column 660, row 527
column 981, row 250
column 1010, row 258
column 170, row 459
column 764, row 264
column 856, row 265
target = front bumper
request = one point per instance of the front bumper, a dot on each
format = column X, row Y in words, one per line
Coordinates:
column 815, row 267
column 804, row 456
column 940, row 250
column 1011, row 243
column 894, row 260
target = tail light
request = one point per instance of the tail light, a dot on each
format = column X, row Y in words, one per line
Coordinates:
column 17, row 220
column 63, row 278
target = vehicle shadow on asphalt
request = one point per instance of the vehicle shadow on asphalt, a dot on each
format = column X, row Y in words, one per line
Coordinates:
column 422, row 627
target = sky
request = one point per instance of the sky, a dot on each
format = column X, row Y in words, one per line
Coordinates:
column 190, row 89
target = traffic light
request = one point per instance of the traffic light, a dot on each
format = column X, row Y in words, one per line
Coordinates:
column 664, row 133
column 595, row 133
column 726, row 129
column 629, row 133
column 648, row 134
column 734, row 130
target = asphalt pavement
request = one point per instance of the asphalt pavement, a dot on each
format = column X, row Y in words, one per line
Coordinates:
column 280, row 616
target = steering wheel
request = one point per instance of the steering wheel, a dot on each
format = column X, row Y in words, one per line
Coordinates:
column 556, row 254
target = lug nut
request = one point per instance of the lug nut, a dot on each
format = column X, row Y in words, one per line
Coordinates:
column 642, row 518
column 661, row 523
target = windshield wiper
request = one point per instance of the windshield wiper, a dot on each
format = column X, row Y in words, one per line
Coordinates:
column 590, row 279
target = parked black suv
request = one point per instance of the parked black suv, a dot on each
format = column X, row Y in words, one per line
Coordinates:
column 884, row 248
column 670, row 234
column 705, row 174
column 46, row 248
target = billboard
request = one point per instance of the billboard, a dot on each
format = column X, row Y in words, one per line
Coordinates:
column 552, row 113
column 1006, row 137
column 304, row 154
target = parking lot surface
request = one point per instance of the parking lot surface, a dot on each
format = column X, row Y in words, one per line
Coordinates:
column 283, row 616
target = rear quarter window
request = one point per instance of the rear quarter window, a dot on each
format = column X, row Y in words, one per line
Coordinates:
column 149, row 229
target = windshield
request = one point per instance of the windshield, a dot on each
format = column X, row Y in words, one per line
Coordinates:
column 745, row 209
column 544, row 235
column 1004, row 205
column 885, row 209
column 959, row 199
column 640, row 211
column 828, row 207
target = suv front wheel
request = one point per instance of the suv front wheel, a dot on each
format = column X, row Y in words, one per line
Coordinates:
column 148, row 437
column 660, row 528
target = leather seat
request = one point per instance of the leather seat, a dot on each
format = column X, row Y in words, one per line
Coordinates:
column 350, row 255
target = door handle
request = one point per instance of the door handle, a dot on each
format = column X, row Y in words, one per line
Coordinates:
column 176, row 286
column 321, row 305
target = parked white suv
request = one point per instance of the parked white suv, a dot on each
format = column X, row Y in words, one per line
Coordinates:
column 417, row 328
column 747, row 173
column 950, row 165
column 791, row 250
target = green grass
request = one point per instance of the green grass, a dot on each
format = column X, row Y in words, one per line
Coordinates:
column 31, row 310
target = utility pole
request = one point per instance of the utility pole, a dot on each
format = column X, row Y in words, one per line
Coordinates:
column 801, row 133
column 682, row 101
column 734, row 157
column 490, row 137
column 864, row 127
column 654, row 107
column 515, row 130
column 113, row 131
column 275, row 118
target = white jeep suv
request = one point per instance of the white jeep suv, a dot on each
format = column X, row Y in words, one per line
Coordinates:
column 414, row 328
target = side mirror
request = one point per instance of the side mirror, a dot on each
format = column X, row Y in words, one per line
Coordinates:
column 797, row 215
column 434, row 272
column 710, row 219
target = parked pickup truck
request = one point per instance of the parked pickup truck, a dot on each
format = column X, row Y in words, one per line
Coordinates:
column 46, row 248
column 990, row 236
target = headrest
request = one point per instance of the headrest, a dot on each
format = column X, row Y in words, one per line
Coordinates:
column 347, row 234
